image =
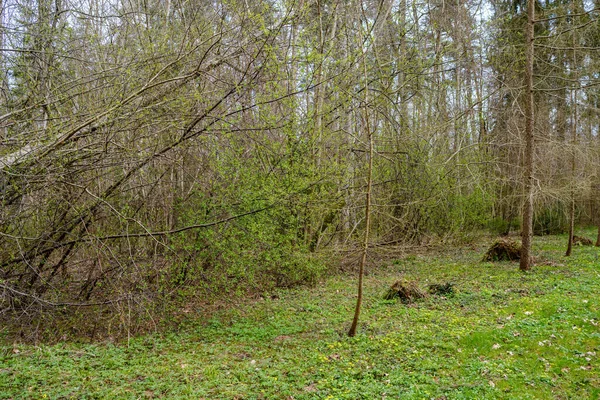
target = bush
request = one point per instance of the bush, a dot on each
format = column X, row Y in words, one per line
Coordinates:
column 502, row 226
column 550, row 221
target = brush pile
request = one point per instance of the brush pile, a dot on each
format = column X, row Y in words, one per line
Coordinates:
column 503, row 250
column 582, row 241
column 406, row 291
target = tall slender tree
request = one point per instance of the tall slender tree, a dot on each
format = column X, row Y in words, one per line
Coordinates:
column 574, row 122
column 527, row 226
column 368, row 134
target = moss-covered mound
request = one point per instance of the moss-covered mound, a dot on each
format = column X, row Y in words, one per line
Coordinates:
column 582, row 241
column 443, row 289
column 406, row 291
column 503, row 250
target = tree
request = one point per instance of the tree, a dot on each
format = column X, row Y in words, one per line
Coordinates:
column 364, row 42
column 527, row 226
column 575, row 77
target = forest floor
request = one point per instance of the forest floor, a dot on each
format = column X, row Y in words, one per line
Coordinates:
column 503, row 334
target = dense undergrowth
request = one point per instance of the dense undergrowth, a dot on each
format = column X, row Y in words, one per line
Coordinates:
column 503, row 334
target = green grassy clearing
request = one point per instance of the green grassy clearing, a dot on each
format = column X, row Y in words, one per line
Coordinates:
column 503, row 335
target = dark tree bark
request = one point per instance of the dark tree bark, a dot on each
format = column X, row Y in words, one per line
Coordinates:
column 574, row 142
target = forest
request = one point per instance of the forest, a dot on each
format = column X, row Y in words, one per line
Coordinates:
column 161, row 160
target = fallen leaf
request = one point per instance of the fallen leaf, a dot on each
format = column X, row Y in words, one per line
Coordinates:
column 311, row 388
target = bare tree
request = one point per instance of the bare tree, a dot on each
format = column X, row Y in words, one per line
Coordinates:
column 573, row 145
column 527, row 226
column 368, row 191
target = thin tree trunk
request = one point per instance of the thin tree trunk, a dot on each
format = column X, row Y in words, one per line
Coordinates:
column 572, row 202
column 365, row 248
column 574, row 141
column 527, row 232
column 571, row 218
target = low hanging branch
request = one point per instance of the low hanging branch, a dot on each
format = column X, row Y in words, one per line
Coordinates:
column 164, row 233
column 56, row 238
column 48, row 303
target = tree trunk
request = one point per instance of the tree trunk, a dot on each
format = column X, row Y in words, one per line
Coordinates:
column 527, row 232
column 365, row 249
column 574, row 142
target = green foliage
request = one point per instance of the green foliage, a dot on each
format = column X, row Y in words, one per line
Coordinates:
column 266, row 249
column 470, row 211
column 503, row 335
column 550, row 220
column 501, row 226
column 192, row 115
column 432, row 196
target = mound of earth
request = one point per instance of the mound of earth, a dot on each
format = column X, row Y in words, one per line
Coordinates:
column 503, row 250
column 406, row 291
column 582, row 241
column 444, row 289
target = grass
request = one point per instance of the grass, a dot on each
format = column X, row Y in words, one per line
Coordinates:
column 503, row 335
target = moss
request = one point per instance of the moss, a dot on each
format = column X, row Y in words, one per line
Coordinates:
column 582, row 241
column 503, row 250
column 406, row 291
